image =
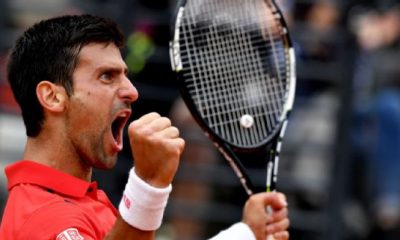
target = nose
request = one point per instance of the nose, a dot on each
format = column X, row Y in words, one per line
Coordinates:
column 128, row 92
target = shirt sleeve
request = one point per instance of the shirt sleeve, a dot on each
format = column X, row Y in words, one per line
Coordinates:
column 58, row 222
column 238, row 231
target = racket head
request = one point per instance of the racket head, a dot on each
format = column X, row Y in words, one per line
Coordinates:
column 235, row 66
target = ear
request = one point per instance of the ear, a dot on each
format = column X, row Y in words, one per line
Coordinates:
column 51, row 96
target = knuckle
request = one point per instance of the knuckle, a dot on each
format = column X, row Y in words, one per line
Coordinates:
column 175, row 129
column 287, row 223
column 182, row 144
column 166, row 120
column 145, row 132
column 154, row 114
column 133, row 125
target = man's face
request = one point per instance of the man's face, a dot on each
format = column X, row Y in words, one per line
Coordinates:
column 100, row 105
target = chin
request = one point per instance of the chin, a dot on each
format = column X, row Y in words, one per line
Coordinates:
column 106, row 164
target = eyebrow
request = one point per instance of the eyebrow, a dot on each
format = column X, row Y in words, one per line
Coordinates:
column 113, row 69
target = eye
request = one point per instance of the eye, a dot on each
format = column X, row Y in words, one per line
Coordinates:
column 106, row 76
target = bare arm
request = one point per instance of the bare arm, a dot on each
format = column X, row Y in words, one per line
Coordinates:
column 122, row 230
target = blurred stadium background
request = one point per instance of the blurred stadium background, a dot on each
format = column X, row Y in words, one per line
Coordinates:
column 346, row 50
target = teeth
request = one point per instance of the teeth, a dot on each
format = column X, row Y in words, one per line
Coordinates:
column 124, row 115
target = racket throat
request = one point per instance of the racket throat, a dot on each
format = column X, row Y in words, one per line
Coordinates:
column 270, row 177
column 238, row 169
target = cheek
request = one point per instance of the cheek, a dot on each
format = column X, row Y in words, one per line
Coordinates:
column 86, row 130
column 84, row 116
column 91, row 110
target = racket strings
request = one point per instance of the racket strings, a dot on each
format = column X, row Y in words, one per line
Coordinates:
column 233, row 121
column 234, row 125
column 226, row 60
column 220, row 54
column 239, row 71
column 281, row 60
column 228, row 131
column 234, row 91
column 253, row 102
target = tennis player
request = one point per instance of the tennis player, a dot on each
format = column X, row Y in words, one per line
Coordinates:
column 69, row 78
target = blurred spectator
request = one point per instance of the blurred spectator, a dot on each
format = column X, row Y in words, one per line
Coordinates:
column 312, row 124
column 376, row 26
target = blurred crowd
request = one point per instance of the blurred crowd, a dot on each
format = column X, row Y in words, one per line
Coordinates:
column 340, row 163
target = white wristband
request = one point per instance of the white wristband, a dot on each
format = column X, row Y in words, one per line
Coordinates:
column 142, row 205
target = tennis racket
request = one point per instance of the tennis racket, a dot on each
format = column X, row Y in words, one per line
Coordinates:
column 236, row 70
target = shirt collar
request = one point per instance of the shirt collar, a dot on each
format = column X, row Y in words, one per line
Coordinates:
column 34, row 173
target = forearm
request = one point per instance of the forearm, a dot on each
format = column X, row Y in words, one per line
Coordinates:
column 122, row 230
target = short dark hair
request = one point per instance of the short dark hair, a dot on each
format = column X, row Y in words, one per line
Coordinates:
column 49, row 50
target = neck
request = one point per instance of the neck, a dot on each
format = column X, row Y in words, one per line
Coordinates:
column 45, row 150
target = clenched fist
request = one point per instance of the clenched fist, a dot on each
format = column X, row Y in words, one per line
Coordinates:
column 270, row 225
column 156, row 148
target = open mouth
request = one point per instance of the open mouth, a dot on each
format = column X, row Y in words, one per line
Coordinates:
column 117, row 126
